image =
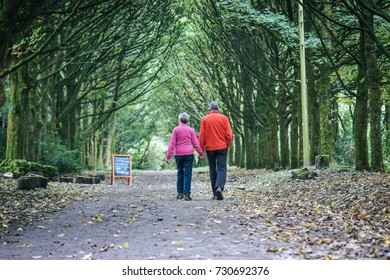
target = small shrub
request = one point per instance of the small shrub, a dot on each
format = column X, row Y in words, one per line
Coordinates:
column 57, row 155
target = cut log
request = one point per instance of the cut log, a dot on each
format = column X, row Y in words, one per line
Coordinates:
column 32, row 182
column 66, row 179
column 87, row 180
column 83, row 180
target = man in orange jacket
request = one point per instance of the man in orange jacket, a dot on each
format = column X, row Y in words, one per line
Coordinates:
column 216, row 136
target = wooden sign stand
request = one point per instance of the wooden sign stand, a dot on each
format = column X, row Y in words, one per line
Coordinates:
column 121, row 168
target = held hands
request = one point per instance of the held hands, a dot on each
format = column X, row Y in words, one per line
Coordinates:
column 168, row 160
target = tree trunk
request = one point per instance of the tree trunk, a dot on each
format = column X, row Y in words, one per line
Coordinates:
column 300, row 129
column 19, row 123
column 84, row 125
column 314, row 110
column 360, row 113
column 249, row 138
column 250, row 149
column 67, row 121
column 294, row 135
column 272, row 161
column 237, row 150
column 283, row 131
column 374, row 90
column 242, row 151
column 326, row 102
column 386, row 124
column 14, row 119
column 3, row 64
column 110, row 144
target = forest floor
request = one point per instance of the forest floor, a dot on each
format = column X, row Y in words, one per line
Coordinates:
column 265, row 215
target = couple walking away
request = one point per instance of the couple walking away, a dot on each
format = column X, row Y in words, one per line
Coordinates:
column 215, row 137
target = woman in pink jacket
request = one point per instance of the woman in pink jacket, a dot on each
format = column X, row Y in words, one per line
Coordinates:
column 182, row 143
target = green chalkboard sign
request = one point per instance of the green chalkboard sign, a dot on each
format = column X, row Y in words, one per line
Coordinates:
column 121, row 167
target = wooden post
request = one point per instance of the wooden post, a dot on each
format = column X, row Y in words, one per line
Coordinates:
column 305, row 115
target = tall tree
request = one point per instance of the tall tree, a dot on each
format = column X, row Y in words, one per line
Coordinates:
column 374, row 89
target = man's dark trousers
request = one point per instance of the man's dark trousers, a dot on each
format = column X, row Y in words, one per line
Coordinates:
column 217, row 167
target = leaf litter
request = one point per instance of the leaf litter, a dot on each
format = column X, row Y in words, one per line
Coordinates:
column 337, row 215
column 21, row 208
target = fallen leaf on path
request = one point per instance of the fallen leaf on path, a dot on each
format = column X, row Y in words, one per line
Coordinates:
column 272, row 250
column 87, row 257
column 324, row 241
column 104, row 249
column 97, row 218
column 178, row 242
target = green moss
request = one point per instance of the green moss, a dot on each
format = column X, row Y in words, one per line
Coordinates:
column 303, row 174
column 49, row 169
column 23, row 166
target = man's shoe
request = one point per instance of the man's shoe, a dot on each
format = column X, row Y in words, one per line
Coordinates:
column 187, row 197
column 180, row 196
column 218, row 192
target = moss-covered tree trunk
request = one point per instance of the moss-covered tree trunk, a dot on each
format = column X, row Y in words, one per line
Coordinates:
column 360, row 113
column 14, row 145
column 85, row 123
column 250, row 151
column 20, row 125
column 327, row 100
column 238, row 157
column 249, row 130
column 314, row 109
column 109, row 142
column 294, row 101
column 34, row 125
column 300, row 130
column 374, row 91
column 283, row 131
column 386, row 124
column 326, row 116
column 3, row 64
column 274, row 144
column 42, row 104
column 67, row 117
column 242, row 151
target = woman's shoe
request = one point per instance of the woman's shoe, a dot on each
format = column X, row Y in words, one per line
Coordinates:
column 180, row 196
column 187, row 197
